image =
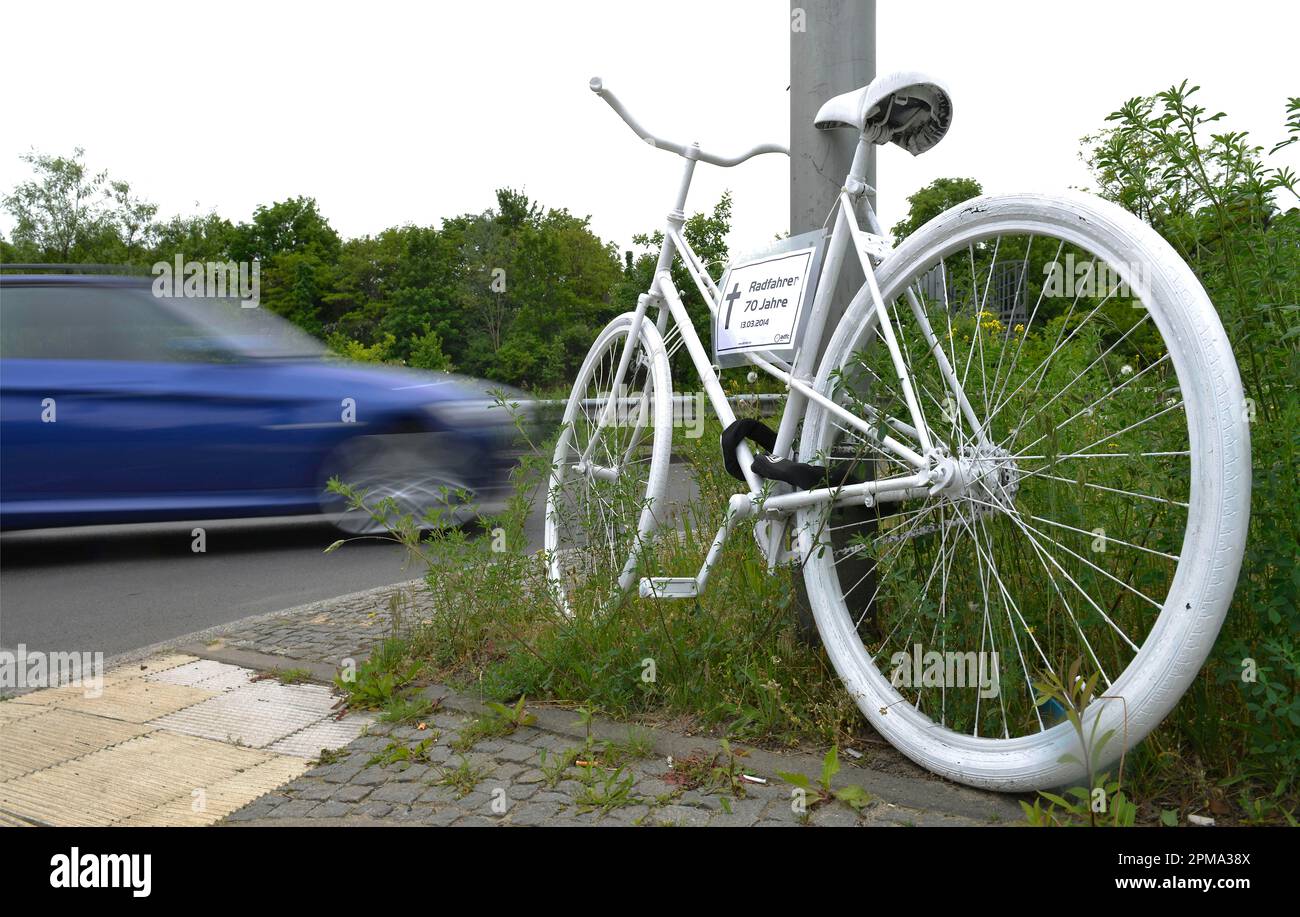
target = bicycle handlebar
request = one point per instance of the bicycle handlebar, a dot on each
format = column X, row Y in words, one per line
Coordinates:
column 692, row 151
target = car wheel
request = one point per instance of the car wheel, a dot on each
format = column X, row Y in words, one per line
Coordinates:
column 423, row 474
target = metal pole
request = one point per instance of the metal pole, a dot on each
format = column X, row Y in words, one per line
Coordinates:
column 832, row 50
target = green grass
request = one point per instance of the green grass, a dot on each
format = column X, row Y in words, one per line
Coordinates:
column 635, row 746
column 407, row 707
column 462, row 778
column 730, row 661
column 398, row 753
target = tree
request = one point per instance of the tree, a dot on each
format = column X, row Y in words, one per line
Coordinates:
column 1234, row 216
column 528, row 288
column 299, row 252
column 62, row 214
column 427, row 353
column 933, row 200
column 195, row 238
column 706, row 233
column 133, row 219
column 295, row 225
column 488, row 256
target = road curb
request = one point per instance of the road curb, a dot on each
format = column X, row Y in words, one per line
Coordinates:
column 202, row 638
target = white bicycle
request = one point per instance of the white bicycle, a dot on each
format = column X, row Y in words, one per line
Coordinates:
column 1024, row 444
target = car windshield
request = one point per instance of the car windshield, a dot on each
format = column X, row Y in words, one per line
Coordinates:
column 92, row 322
column 254, row 332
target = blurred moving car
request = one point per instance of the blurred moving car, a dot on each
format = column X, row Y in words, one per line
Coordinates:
column 120, row 406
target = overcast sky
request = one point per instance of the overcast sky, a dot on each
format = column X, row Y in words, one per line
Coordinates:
column 391, row 113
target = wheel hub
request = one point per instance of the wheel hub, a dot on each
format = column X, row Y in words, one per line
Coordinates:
column 987, row 474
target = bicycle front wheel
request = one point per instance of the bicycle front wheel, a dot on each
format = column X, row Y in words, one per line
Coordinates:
column 1092, row 513
column 610, row 466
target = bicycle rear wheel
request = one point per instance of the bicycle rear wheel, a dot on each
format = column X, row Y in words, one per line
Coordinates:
column 1098, row 511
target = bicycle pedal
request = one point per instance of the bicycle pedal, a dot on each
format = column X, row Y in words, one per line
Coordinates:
column 669, row 587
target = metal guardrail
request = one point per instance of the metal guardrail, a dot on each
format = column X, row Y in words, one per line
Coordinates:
column 126, row 269
column 546, row 413
column 761, row 398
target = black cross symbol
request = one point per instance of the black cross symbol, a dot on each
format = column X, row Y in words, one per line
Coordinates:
column 731, row 299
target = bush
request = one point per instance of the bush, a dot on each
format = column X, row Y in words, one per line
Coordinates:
column 1232, row 215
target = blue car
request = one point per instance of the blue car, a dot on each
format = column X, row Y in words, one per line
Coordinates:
column 117, row 405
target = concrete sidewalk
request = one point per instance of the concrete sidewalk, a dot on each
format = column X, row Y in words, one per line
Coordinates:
column 184, row 735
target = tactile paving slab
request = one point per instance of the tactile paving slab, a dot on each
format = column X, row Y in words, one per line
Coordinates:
column 12, row 713
column 256, row 715
column 116, row 783
column 52, row 735
column 87, row 685
column 169, row 741
column 151, row 666
column 329, row 733
column 136, row 700
column 223, row 796
column 207, row 674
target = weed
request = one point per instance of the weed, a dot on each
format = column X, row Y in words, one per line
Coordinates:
column 556, row 768
column 499, row 720
column 819, row 791
column 329, row 756
column 379, row 679
column 463, row 778
column 1101, row 797
column 407, row 707
column 717, row 772
column 403, row 755
column 284, row 676
column 605, row 789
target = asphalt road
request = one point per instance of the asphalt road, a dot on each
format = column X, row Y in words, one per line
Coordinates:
column 114, row 589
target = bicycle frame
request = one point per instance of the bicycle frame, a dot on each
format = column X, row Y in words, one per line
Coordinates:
column 773, row 500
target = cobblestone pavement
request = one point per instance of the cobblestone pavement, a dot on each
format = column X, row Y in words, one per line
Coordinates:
column 330, row 631
column 516, row 780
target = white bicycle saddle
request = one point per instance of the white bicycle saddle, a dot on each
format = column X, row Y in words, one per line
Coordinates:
column 909, row 108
